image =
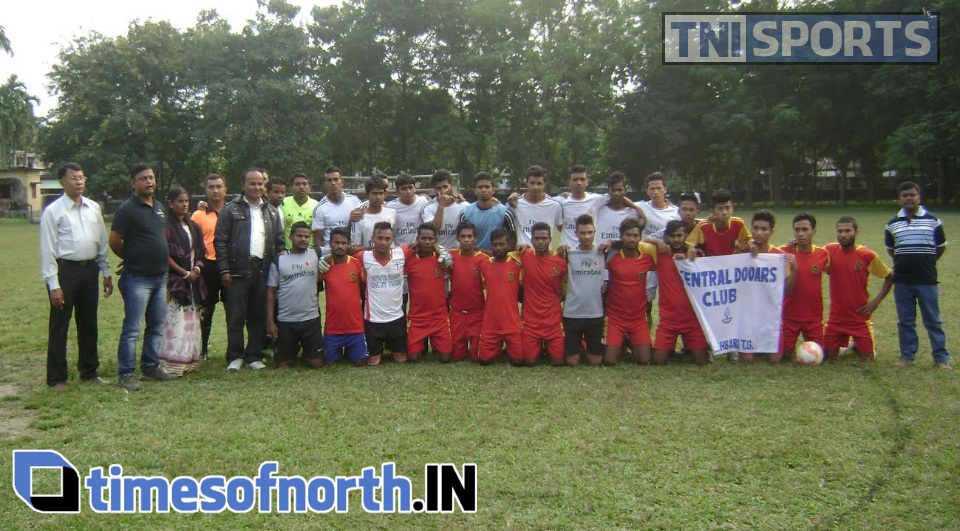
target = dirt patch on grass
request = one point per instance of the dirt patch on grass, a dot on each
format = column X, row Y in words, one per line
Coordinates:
column 14, row 419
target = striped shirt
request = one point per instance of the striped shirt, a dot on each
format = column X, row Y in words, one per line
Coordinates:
column 915, row 243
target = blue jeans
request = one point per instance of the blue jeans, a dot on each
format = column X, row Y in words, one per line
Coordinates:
column 907, row 297
column 143, row 296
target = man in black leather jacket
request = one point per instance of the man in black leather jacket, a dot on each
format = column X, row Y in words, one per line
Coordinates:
column 249, row 235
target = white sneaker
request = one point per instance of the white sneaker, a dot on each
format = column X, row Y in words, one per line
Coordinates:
column 257, row 365
column 235, row 365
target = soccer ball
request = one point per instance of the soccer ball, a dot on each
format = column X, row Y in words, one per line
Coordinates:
column 809, row 353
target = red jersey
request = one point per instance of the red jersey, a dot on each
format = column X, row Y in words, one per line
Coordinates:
column 806, row 302
column 714, row 243
column 627, row 282
column 850, row 270
column 428, row 286
column 502, row 281
column 674, row 303
column 466, row 287
column 545, row 283
column 342, row 288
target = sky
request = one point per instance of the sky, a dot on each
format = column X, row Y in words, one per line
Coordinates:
column 37, row 29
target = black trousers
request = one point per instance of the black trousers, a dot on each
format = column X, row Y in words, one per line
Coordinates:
column 246, row 307
column 81, row 295
column 215, row 294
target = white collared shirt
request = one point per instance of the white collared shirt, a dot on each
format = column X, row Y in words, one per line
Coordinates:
column 258, row 232
column 71, row 231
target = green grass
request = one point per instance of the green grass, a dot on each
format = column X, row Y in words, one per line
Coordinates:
column 845, row 446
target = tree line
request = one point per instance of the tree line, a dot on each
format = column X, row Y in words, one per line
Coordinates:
column 497, row 85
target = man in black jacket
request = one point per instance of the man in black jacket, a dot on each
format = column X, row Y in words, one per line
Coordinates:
column 248, row 236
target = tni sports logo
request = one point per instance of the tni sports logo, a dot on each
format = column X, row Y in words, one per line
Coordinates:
column 445, row 489
column 800, row 38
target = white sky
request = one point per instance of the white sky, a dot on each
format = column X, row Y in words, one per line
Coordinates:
column 37, row 29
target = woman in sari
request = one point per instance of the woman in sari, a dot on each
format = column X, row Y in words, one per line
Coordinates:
column 185, row 288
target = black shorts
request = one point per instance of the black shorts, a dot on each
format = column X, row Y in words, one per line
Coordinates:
column 577, row 329
column 393, row 335
column 291, row 337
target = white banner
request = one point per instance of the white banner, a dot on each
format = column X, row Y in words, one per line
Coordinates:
column 738, row 300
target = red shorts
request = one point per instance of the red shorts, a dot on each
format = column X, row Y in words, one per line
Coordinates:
column 465, row 332
column 533, row 336
column 790, row 331
column 490, row 346
column 636, row 328
column 436, row 330
column 837, row 337
column 667, row 333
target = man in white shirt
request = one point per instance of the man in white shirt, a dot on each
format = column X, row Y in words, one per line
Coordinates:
column 581, row 202
column 409, row 206
column 617, row 209
column 371, row 211
column 659, row 211
column 333, row 209
column 73, row 254
column 385, row 324
column 449, row 214
column 534, row 206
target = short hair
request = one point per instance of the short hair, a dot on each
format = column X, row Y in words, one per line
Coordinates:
column 672, row 226
column 331, row 169
column 720, row 197
column 764, row 215
column 848, row 219
column 441, row 175
column 250, row 170
column 482, row 176
column 427, row 226
column 295, row 176
column 689, row 197
column 655, row 176
column 584, row 219
column 498, row 233
column 540, row 225
column 536, row 171
column 907, row 185
column 578, row 168
column 340, row 231
column 805, row 216
column 631, row 223
column 374, row 183
column 299, row 225
column 62, row 170
column 214, row 177
column 405, row 179
column 275, row 181
column 466, row 225
column 137, row 169
column 382, row 225
column 616, row 177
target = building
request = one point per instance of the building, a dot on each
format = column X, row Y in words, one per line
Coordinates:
column 23, row 185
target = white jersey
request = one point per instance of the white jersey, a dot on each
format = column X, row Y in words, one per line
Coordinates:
column 548, row 211
column 573, row 209
column 408, row 219
column 384, row 287
column 361, row 232
column 447, row 235
column 329, row 214
column 608, row 222
column 657, row 218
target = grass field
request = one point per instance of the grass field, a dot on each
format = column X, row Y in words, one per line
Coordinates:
column 845, row 446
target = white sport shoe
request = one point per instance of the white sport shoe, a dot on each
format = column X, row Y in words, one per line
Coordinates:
column 257, row 365
column 235, row 365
